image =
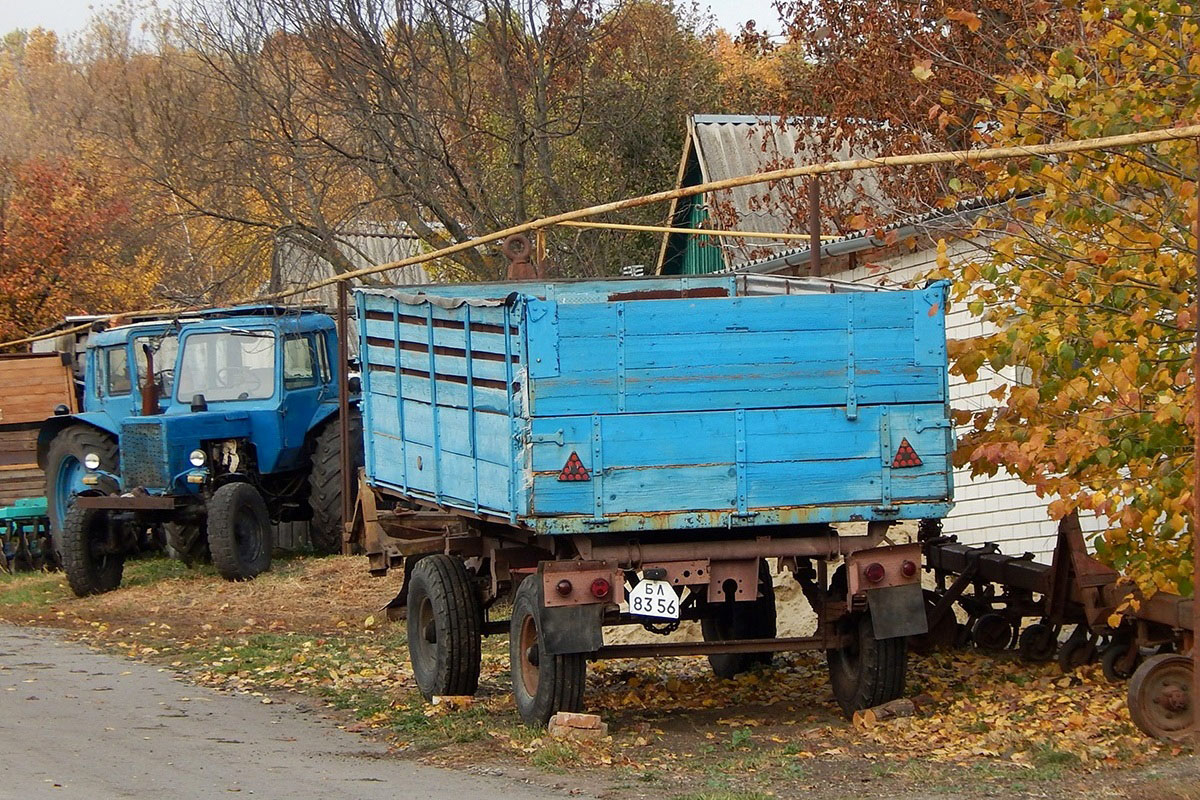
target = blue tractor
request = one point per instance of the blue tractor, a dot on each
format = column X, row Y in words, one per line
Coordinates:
column 208, row 429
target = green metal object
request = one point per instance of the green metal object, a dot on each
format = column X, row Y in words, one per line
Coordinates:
column 25, row 535
column 702, row 254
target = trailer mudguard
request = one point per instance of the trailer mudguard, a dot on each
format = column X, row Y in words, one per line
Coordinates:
column 569, row 629
column 898, row 611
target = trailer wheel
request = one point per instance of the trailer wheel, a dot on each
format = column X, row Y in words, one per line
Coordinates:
column 445, row 621
column 1117, row 662
column 188, row 543
column 745, row 620
column 90, row 570
column 992, row 632
column 543, row 684
column 1077, row 650
column 1159, row 696
column 1038, row 643
column 868, row 671
column 325, row 482
column 239, row 532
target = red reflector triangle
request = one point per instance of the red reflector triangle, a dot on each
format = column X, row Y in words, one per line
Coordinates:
column 574, row 470
column 906, row 456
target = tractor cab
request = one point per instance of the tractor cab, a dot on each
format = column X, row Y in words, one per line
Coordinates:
column 245, row 392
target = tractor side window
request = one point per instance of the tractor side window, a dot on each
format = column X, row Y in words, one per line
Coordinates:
column 299, row 371
column 116, row 368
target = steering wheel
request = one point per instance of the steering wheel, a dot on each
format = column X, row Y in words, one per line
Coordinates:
column 227, row 377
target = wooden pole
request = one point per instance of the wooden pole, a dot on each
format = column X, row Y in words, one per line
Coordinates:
column 343, row 370
column 723, row 234
column 917, row 159
column 814, row 226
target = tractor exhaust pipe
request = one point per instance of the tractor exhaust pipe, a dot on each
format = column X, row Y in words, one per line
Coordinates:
column 149, row 387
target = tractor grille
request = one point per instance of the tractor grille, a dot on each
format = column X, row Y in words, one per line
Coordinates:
column 144, row 456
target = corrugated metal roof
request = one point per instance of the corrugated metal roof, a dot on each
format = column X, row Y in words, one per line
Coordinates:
column 368, row 245
column 965, row 212
column 728, row 146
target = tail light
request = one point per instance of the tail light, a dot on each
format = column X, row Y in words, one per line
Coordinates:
column 600, row 588
column 564, row 587
column 873, row 572
column 908, row 569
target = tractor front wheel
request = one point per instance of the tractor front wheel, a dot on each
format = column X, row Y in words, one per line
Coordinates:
column 239, row 532
column 87, row 558
column 65, row 471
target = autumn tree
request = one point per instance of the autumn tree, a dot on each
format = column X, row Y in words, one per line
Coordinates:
column 1087, row 286
column 60, row 247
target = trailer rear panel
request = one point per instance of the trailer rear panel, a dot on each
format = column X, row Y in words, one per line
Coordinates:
column 660, row 404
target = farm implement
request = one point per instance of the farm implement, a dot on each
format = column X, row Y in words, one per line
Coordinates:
column 998, row 592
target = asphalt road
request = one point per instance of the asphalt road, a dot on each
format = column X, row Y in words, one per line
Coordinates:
column 77, row 723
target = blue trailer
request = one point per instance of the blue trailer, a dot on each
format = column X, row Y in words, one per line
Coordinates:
column 640, row 448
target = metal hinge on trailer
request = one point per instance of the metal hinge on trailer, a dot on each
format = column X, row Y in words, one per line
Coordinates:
column 544, row 438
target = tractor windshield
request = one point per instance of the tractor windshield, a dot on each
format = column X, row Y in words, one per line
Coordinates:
column 227, row 365
column 165, row 348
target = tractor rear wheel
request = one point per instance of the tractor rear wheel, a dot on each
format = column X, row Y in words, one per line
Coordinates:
column 187, row 542
column 65, row 470
column 325, row 482
column 90, row 568
column 239, row 532
column 866, row 672
column 543, row 684
column 445, row 623
column 745, row 620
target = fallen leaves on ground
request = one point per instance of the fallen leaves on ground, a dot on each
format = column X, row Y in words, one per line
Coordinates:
column 304, row 630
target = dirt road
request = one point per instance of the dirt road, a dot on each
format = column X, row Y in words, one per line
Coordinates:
column 80, row 724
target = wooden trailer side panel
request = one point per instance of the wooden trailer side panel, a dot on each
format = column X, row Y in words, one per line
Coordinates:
column 443, row 401
column 32, row 385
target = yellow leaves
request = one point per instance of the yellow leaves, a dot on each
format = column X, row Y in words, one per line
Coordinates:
column 922, row 69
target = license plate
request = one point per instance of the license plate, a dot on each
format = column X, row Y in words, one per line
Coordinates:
column 654, row 599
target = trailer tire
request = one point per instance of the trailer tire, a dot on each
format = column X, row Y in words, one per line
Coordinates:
column 239, row 532
column 1038, row 644
column 325, row 482
column 187, row 542
column 1076, row 652
column 543, row 684
column 868, row 672
column 1113, row 654
column 445, row 627
column 992, row 632
column 745, row 620
column 89, row 572
column 65, row 470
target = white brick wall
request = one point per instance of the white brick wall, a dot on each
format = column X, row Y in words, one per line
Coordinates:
column 1001, row 509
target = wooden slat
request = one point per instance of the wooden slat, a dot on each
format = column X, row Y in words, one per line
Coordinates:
column 31, row 387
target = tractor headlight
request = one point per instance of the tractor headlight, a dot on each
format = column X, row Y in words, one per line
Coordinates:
column 91, row 461
column 197, row 458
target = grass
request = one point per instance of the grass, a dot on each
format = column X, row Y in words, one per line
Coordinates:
column 722, row 795
column 555, row 757
column 35, row 589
